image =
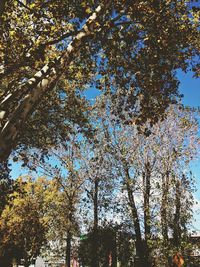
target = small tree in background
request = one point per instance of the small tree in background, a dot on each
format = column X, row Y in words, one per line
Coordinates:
column 22, row 226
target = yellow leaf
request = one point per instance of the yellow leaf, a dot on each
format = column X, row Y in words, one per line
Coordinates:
column 32, row 5
column 88, row 10
column 12, row 33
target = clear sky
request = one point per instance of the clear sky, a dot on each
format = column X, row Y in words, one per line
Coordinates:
column 190, row 87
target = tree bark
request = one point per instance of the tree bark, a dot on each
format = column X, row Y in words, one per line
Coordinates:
column 95, row 256
column 140, row 253
column 147, row 217
column 176, row 225
column 2, row 6
column 164, row 205
column 96, row 192
column 164, row 214
column 69, row 231
column 5, row 262
column 68, row 250
column 42, row 82
column 26, row 261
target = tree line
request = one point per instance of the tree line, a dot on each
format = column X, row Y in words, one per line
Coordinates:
column 119, row 178
column 125, row 156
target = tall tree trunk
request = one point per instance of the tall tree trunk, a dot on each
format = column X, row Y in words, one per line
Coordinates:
column 164, row 206
column 2, row 7
column 68, row 250
column 26, row 260
column 69, row 232
column 32, row 91
column 164, row 215
column 5, row 262
column 147, row 217
column 96, row 192
column 95, row 256
column 140, row 253
column 176, row 225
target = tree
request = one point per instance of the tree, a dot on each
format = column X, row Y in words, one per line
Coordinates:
column 116, row 246
column 22, row 226
column 63, row 223
column 62, row 167
column 6, row 185
column 99, row 186
column 151, row 169
column 37, row 219
column 150, row 38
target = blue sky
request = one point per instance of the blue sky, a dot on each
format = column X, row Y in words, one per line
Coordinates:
column 190, row 87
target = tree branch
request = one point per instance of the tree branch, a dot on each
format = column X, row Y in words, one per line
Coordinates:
column 42, row 82
column 2, row 6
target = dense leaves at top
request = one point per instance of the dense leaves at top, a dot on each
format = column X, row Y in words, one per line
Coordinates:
column 131, row 49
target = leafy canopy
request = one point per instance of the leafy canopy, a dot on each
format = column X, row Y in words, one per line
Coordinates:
column 131, row 49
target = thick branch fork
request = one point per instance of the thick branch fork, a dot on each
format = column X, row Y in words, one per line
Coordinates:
column 42, row 82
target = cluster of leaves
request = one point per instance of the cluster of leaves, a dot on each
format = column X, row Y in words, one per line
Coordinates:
column 131, row 49
column 131, row 53
column 22, row 226
column 35, row 216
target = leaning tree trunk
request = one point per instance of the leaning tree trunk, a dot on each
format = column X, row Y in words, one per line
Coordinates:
column 33, row 90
